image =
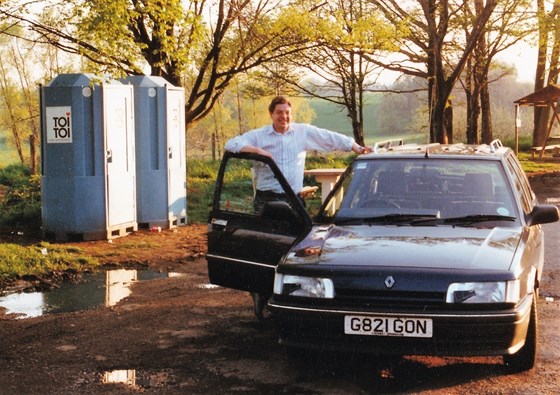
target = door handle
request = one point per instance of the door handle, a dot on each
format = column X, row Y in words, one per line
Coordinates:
column 109, row 156
column 218, row 224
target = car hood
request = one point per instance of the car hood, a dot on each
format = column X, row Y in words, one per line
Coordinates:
column 407, row 246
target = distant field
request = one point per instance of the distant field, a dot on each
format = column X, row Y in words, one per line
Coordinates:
column 330, row 116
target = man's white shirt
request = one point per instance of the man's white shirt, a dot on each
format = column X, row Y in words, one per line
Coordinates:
column 288, row 151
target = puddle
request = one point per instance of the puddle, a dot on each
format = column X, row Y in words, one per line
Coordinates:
column 97, row 290
column 137, row 379
column 123, row 376
column 208, row 286
column 553, row 200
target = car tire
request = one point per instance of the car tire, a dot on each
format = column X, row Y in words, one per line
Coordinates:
column 525, row 358
column 260, row 306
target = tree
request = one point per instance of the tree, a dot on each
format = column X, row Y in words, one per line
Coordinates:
column 175, row 39
column 548, row 66
column 510, row 23
column 426, row 51
column 402, row 111
column 339, row 71
column 11, row 114
column 20, row 112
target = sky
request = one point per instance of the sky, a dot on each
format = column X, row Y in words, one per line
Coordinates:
column 524, row 57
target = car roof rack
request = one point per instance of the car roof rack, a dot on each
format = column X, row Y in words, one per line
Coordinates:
column 495, row 145
column 387, row 144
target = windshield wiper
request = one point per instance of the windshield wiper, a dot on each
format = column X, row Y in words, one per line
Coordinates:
column 472, row 219
column 387, row 219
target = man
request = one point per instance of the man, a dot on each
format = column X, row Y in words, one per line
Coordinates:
column 287, row 143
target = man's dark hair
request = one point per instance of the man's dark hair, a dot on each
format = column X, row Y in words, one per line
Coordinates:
column 278, row 100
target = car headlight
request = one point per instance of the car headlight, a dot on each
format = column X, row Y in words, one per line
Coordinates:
column 310, row 287
column 484, row 292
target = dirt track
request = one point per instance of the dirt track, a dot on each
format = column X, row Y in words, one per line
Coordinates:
column 176, row 336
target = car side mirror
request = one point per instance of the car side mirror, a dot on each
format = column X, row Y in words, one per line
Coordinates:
column 543, row 214
column 280, row 211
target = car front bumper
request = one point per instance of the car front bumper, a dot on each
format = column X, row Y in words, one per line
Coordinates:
column 455, row 333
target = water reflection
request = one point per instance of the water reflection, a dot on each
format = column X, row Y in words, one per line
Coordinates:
column 30, row 304
column 118, row 285
column 138, row 379
column 127, row 377
column 98, row 289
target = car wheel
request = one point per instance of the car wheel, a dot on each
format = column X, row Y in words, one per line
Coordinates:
column 260, row 306
column 525, row 358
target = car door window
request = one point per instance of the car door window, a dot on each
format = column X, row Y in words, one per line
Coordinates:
column 238, row 191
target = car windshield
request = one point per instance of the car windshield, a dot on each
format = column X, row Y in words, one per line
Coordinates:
column 423, row 192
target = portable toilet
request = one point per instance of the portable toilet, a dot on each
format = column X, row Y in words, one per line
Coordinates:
column 88, row 159
column 161, row 185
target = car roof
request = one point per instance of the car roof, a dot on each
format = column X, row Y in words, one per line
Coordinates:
column 398, row 149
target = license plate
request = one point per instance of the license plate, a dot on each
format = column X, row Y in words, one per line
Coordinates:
column 388, row 326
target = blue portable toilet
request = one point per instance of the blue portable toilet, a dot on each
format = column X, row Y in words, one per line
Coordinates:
column 161, row 186
column 88, row 159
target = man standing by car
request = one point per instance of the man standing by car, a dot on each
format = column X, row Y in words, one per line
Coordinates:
column 287, row 144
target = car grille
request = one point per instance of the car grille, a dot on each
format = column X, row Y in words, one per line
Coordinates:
column 353, row 297
column 402, row 300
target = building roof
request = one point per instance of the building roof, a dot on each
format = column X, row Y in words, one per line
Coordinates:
column 543, row 97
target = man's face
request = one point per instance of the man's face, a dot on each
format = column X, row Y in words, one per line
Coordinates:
column 281, row 117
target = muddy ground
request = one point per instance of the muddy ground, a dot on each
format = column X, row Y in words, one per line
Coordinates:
column 178, row 336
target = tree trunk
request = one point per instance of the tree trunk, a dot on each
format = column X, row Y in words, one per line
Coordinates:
column 482, row 95
column 214, row 155
column 486, row 121
column 441, row 127
column 438, row 124
column 554, row 69
column 540, row 113
column 473, row 113
column 239, row 113
column 33, row 153
column 352, row 97
column 473, row 107
column 448, row 114
column 361, row 103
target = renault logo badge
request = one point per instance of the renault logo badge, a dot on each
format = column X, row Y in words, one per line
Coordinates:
column 389, row 282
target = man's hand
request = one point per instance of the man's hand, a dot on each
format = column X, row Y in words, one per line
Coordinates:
column 361, row 150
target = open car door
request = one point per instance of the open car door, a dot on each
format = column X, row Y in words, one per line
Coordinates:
column 244, row 248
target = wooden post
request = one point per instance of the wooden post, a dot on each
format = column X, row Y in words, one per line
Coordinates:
column 517, row 126
column 33, row 154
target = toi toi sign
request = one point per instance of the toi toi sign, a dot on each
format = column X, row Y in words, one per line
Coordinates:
column 59, row 124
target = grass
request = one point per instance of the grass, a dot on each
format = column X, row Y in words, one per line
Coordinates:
column 536, row 165
column 43, row 259
column 333, row 117
column 7, row 155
